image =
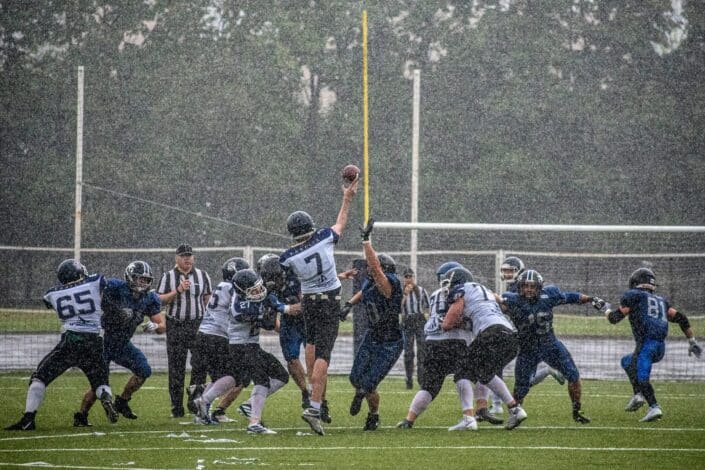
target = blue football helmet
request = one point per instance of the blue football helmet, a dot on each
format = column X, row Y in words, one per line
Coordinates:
column 300, row 225
column 456, row 276
column 249, row 285
column 138, row 276
column 511, row 268
column 445, row 267
column 529, row 284
column 643, row 278
column 70, row 270
column 233, row 265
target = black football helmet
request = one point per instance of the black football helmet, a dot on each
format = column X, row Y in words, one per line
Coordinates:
column 530, row 278
column 249, row 285
column 271, row 271
column 456, row 276
column 233, row 265
column 138, row 276
column 70, row 270
column 643, row 278
column 387, row 262
column 300, row 225
column 445, row 267
column 511, row 268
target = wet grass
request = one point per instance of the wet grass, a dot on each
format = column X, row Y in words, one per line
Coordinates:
column 547, row 439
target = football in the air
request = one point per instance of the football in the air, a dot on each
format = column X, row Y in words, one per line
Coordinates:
column 350, row 172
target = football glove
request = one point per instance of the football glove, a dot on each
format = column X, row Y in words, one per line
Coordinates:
column 598, row 303
column 345, row 310
column 694, row 348
column 150, row 327
column 367, row 230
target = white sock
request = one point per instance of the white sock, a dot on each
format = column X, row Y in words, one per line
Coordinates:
column 420, row 402
column 103, row 388
column 259, row 395
column 274, row 385
column 481, row 392
column 35, row 396
column 219, row 388
column 540, row 374
column 464, row 388
column 498, row 386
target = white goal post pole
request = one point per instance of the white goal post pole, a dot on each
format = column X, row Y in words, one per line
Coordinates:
column 541, row 227
column 415, row 167
column 79, row 166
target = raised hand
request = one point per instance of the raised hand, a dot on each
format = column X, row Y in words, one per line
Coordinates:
column 598, row 303
column 367, row 230
column 694, row 348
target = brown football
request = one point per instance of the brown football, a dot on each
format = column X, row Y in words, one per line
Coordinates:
column 350, row 172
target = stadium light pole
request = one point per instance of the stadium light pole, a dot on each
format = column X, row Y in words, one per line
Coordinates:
column 413, row 261
column 79, row 166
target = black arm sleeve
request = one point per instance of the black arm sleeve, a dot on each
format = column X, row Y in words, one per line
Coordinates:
column 682, row 321
column 615, row 316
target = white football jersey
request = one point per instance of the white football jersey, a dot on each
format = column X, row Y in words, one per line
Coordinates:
column 313, row 262
column 242, row 324
column 215, row 319
column 438, row 310
column 481, row 309
column 78, row 305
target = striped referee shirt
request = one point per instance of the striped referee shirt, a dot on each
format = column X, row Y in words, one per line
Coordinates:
column 416, row 302
column 189, row 304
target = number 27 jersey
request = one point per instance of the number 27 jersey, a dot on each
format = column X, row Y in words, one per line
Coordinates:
column 78, row 305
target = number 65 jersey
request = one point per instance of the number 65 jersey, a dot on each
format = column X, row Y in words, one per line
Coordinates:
column 78, row 305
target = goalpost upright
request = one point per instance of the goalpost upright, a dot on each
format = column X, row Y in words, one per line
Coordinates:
column 79, row 166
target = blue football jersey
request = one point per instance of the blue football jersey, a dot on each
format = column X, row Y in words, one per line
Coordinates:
column 123, row 313
column 383, row 313
column 647, row 314
column 534, row 318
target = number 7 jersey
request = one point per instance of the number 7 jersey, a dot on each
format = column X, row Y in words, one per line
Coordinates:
column 78, row 305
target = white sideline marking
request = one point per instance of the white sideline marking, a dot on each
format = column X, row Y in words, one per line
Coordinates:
column 171, row 434
column 51, row 465
column 338, row 448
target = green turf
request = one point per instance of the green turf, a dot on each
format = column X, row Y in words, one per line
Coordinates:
column 29, row 321
column 548, row 439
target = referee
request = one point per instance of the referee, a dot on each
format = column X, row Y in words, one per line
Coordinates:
column 184, row 291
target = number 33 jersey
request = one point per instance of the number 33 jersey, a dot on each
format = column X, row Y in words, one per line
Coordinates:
column 78, row 305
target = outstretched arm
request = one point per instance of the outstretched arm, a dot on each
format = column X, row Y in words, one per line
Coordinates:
column 348, row 194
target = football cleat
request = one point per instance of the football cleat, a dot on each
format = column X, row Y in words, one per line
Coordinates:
column 313, row 417
column 80, row 420
column 245, row 409
column 516, row 416
column 109, row 407
column 636, row 402
column 372, row 422
column 468, row 423
column 177, row 412
column 24, row 424
column 556, row 375
column 578, row 417
column 356, row 402
column 305, row 400
column 257, row 428
column 409, row 384
column 325, row 412
column 219, row 415
column 405, row 424
column 483, row 414
column 203, row 415
column 653, row 414
column 496, row 408
column 123, row 408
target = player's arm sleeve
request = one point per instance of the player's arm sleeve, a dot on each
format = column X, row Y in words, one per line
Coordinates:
column 616, row 315
column 674, row 316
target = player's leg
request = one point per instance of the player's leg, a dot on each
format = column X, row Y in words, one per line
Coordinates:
column 91, row 361
column 384, row 356
column 651, row 353
column 290, row 339
column 133, row 359
column 408, row 352
column 558, row 357
column 361, row 364
column 628, row 363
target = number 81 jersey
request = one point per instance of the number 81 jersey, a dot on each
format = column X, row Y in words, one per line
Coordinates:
column 78, row 305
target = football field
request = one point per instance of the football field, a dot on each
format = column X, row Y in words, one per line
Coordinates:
column 547, row 439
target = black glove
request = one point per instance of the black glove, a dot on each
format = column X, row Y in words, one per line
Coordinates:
column 345, row 310
column 694, row 348
column 367, row 230
column 598, row 303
